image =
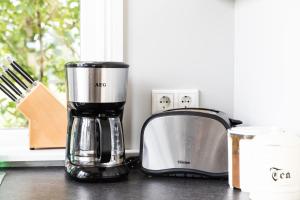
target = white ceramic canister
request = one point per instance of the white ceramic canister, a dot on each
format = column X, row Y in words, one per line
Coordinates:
column 238, row 162
column 274, row 170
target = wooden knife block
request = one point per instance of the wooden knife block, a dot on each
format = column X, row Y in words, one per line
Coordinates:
column 47, row 118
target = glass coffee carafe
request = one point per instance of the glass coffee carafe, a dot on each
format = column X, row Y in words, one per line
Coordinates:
column 96, row 141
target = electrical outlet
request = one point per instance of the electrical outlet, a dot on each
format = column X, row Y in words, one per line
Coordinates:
column 162, row 100
column 186, row 99
column 168, row 99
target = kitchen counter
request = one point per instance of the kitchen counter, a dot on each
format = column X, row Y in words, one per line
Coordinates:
column 51, row 183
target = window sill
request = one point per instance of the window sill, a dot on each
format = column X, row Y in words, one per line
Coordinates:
column 15, row 152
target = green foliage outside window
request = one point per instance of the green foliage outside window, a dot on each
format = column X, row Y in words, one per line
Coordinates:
column 42, row 35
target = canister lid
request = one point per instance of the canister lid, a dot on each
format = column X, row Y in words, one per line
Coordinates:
column 252, row 130
column 282, row 138
column 93, row 64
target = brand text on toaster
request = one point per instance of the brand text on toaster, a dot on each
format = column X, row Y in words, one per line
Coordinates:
column 183, row 162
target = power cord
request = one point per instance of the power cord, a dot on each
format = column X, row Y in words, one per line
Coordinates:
column 133, row 162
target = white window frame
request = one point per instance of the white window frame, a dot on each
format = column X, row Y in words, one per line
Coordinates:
column 101, row 30
column 101, row 39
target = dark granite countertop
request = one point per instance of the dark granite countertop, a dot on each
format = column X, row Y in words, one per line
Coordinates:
column 51, row 183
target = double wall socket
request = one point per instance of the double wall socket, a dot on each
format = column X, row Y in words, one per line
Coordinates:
column 168, row 99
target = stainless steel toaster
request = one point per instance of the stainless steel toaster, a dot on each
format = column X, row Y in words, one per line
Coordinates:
column 186, row 142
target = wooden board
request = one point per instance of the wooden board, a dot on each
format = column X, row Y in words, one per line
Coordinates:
column 236, row 161
column 47, row 118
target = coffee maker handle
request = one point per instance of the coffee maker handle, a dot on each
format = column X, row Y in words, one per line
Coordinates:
column 104, row 135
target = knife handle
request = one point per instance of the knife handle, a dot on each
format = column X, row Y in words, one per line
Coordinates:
column 15, row 78
column 24, row 74
column 11, row 85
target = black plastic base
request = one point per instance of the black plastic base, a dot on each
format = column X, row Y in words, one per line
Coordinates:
column 95, row 174
column 96, row 109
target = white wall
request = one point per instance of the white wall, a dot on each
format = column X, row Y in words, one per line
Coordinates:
column 177, row 44
column 267, row 62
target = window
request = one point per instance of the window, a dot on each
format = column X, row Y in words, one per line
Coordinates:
column 100, row 36
column 42, row 35
column 45, row 34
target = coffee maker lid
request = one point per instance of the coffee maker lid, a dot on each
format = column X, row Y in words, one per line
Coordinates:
column 82, row 64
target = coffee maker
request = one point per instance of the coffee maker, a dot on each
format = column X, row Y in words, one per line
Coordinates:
column 95, row 141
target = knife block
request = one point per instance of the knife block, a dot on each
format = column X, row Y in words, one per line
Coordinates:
column 47, row 118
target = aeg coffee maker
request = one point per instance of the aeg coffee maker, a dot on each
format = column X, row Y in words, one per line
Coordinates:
column 95, row 142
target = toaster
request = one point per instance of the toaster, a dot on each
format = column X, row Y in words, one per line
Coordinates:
column 186, row 142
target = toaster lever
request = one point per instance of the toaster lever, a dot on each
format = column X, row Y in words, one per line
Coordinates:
column 235, row 122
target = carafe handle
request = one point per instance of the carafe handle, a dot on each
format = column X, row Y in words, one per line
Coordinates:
column 104, row 134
